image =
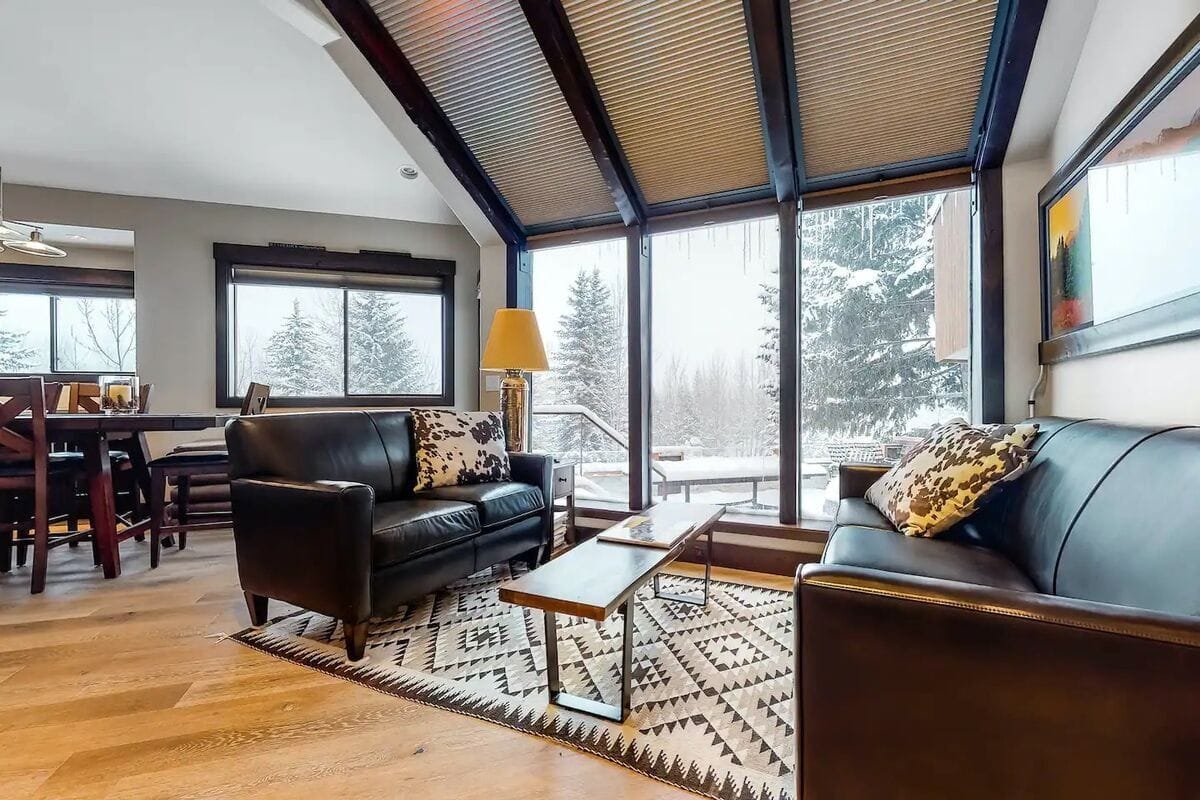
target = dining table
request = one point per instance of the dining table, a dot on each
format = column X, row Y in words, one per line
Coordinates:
column 92, row 435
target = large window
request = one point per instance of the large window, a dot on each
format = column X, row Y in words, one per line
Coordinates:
column 335, row 328
column 715, row 366
column 884, row 352
column 581, row 407
column 884, row 334
column 66, row 320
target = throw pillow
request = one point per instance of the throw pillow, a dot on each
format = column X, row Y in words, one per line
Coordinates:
column 1021, row 434
column 458, row 447
column 945, row 478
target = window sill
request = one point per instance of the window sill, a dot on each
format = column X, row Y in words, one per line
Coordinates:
column 809, row 530
column 353, row 402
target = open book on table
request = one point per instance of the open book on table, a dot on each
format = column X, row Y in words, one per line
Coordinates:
column 647, row 532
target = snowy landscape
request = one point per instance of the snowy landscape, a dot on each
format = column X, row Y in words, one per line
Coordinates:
column 871, row 382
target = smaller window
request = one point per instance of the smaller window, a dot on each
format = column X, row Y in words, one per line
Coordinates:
column 66, row 320
column 334, row 329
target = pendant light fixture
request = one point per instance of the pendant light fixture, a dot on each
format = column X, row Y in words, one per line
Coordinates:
column 34, row 246
column 6, row 232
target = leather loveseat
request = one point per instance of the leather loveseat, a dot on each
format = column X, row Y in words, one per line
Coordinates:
column 1047, row 648
column 325, row 516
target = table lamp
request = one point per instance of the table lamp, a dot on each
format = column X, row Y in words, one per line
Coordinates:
column 514, row 346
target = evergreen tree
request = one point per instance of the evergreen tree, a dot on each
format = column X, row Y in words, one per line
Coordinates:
column 589, row 366
column 14, row 355
column 383, row 358
column 867, row 346
column 298, row 359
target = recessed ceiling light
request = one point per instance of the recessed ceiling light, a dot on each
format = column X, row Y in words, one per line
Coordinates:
column 75, row 237
column 408, row 172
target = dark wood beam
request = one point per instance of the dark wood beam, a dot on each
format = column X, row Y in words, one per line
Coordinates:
column 637, row 249
column 518, row 277
column 371, row 37
column 988, row 294
column 789, row 362
column 1018, row 23
column 769, row 25
column 552, row 29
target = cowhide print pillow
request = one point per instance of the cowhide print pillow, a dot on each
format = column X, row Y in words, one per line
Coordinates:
column 946, row 478
column 458, row 447
column 1021, row 434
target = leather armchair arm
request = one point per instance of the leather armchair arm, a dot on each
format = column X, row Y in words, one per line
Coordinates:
column 855, row 479
column 306, row 543
column 537, row 469
column 990, row 683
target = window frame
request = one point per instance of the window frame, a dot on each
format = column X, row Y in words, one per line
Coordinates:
column 56, row 283
column 986, row 327
column 363, row 264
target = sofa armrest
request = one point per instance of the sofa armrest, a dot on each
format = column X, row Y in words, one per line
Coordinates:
column 986, row 684
column 855, row 479
column 537, row 469
column 306, row 543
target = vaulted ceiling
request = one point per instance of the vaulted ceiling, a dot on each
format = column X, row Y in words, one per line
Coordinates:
column 570, row 113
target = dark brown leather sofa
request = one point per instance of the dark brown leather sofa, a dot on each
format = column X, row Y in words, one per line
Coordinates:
column 1048, row 648
column 325, row 516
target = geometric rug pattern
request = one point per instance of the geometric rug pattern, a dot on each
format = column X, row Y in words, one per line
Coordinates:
column 711, row 687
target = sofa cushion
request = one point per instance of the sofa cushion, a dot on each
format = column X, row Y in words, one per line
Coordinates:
column 458, row 447
column 402, row 529
column 497, row 503
column 890, row 552
column 858, row 512
column 1135, row 542
column 946, row 478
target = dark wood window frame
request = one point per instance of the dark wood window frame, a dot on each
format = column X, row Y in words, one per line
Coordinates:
column 361, row 265
column 986, row 279
column 57, row 282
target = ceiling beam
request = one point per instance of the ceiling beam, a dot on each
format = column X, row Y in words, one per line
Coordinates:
column 1014, row 37
column 369, row 35
column 769, row 25
column 552, row 29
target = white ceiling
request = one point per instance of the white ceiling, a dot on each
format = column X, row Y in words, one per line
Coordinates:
column 213, row 100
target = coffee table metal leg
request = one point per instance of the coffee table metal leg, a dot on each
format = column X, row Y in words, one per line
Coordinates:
column 567, row 700
column 683, row 598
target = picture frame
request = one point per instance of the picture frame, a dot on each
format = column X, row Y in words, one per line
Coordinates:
column 1119, row 222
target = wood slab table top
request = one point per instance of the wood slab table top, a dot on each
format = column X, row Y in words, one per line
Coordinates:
column 134, row 423
column 593, row 579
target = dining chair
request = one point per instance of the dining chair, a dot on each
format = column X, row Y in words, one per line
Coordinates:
column 207, row 464
column 83, row 398
column 28, row 468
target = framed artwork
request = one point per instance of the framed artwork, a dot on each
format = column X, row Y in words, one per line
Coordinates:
column 1120, row 222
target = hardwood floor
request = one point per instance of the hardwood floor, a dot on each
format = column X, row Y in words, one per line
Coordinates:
column 126, row 689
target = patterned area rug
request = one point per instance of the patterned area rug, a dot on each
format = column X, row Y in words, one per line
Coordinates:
column 712, row 687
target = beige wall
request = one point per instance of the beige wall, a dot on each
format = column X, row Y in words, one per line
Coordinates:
column 1160, row 383
column 1022, row 288
column 175, row 285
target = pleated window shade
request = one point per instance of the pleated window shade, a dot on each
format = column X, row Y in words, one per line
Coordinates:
column 482, row 64
column 887, row 81
column 678, row 84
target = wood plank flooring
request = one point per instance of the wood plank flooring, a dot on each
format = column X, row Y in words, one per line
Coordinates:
column 126, row 689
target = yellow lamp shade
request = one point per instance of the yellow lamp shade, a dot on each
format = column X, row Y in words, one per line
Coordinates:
column 514, row 342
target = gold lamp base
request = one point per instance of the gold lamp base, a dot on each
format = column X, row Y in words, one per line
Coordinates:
column 513, row 391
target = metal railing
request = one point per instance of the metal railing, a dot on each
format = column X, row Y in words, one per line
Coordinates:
column 585, row 414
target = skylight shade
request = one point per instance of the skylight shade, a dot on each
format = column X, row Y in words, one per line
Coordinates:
column 481, row 63
column 887, row 81
column 678, row 84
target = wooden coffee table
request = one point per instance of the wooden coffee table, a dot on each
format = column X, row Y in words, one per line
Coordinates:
column 596, row 579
